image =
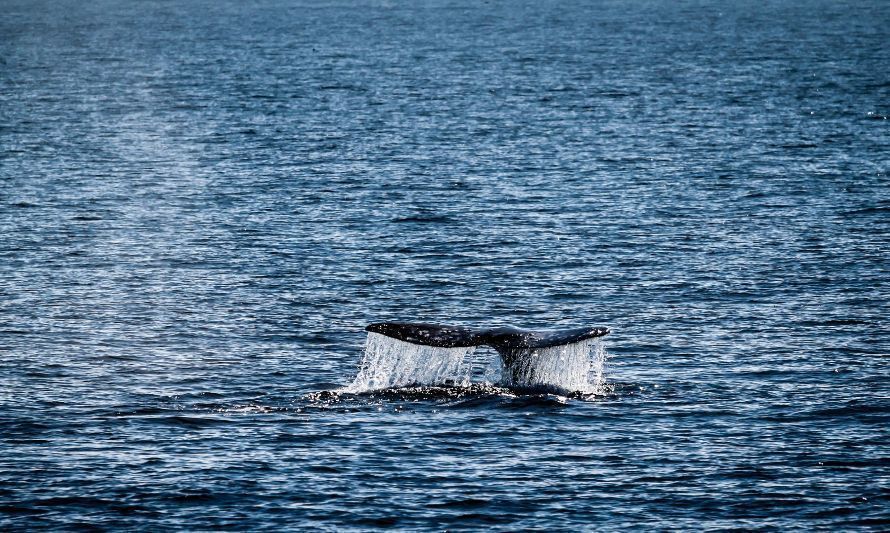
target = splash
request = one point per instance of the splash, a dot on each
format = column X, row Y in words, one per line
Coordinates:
column 596, row 377
column 390, row 363
column 576, row 367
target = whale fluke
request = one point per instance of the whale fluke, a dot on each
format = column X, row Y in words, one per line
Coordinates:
column 503, row 339
column 548, row 359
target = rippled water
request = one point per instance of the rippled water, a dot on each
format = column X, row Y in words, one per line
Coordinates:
column 202, row 204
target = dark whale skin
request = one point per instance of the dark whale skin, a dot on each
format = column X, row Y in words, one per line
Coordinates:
column 502, row 339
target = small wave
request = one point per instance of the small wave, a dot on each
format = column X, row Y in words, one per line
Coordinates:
column 462, row 503
column 87, row 217
column 791, row 146
column 423, row 219
column 874, row 210
column 200, row 421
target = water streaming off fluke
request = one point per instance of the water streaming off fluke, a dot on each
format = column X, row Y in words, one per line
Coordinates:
column 389, row 363
column 392, row 363
column 576, row 367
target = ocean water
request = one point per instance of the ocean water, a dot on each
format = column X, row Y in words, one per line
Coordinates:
column 202, row 204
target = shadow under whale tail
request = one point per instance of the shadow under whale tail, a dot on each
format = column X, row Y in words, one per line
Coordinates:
column 530, row 357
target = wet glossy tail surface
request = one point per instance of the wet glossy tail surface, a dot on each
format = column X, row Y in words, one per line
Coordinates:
column 502, row 339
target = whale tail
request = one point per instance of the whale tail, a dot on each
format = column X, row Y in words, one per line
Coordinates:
column 503, row 339
column 531, row 358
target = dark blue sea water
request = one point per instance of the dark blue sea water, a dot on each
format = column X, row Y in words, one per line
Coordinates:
column 202, row 204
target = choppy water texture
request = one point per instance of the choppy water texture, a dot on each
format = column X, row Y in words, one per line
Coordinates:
column 203, row 203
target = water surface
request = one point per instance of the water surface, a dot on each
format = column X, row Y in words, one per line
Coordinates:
column 202, row 204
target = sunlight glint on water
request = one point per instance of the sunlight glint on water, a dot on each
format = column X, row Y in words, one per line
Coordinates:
column 199, row 211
